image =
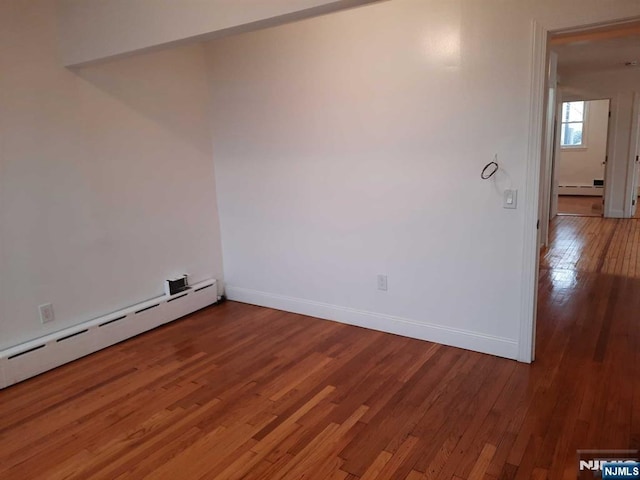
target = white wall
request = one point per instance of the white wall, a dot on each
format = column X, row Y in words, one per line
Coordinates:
column 620, row 86
column 348, row 145
column 580, row 166
column 106, row 179
column 98, row 29
column 351, row 145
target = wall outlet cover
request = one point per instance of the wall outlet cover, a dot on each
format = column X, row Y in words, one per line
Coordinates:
column 46, row 313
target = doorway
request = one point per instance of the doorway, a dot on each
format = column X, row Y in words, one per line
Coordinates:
column 585, row 78
column 580, row 157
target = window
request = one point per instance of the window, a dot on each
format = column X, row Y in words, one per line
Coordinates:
column 573, row 116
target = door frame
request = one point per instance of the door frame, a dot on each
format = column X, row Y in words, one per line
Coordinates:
column 549, row 149
column 535, row 186
column 531, row 250
column 553, row 201
column 634, row 150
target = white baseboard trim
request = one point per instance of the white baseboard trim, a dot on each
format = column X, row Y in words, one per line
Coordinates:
column 587, row 190
column 45, row 353
column 499, row 346
column 614, row 213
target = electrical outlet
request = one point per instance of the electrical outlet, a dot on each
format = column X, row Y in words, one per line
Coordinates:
column 46, row 313
column 382, row 282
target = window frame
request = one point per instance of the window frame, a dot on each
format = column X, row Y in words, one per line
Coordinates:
column 585, row 115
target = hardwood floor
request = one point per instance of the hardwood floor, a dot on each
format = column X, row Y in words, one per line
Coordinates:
column 595, row 245
column 237, row 391
column 581, row 205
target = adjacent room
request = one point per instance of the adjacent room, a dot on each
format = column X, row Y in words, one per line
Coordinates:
column 596, row 74
column 582, row 157
column 286, row 239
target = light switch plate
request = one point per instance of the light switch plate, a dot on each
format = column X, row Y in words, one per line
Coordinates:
column 510, row 199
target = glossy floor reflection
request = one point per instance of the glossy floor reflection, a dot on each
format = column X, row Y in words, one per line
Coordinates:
column 596, row 245
column 588, row 336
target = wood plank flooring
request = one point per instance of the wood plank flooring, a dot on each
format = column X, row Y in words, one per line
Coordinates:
column 242, row 392
column 596, row 245
column 582, row 205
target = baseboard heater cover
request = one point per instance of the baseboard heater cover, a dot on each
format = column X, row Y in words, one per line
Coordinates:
column 36, row 356
column 587, row 190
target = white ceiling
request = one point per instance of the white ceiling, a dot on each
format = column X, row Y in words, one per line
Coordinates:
column 588, row 56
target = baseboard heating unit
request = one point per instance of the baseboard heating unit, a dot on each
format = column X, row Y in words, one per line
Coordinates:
column 36, row 356
column 587, row 190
